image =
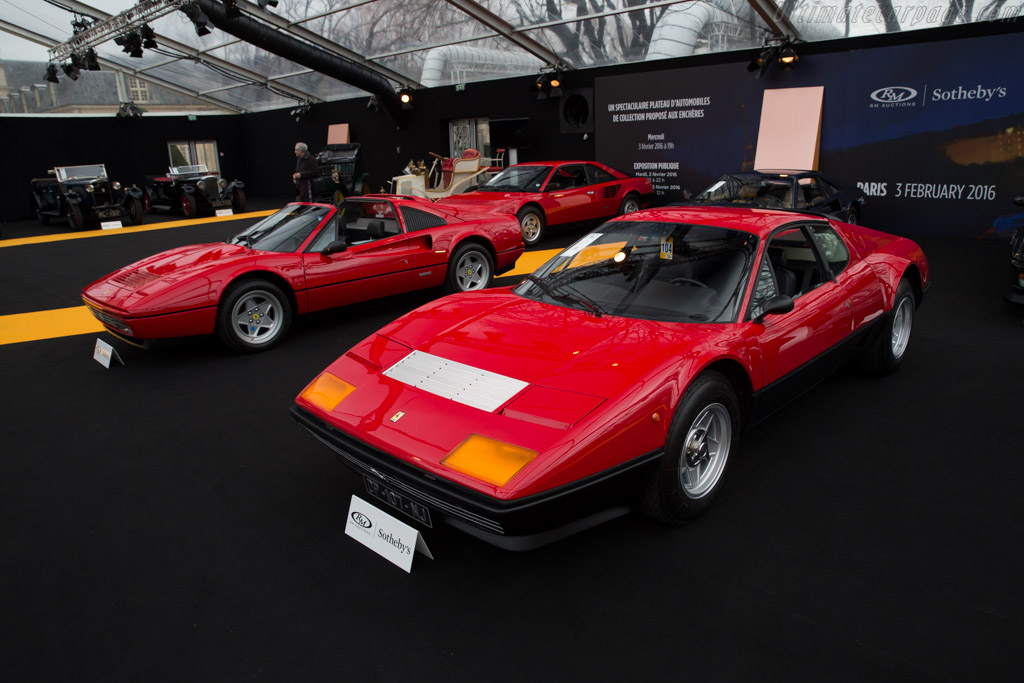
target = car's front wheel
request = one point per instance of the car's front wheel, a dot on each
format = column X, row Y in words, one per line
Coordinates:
column 75, row 218
column 630, row 203
column 470, row 268
column 531, row 222
column 253, row 316
column 134, row 207
column 886, row 352
column 851, row 216
column 189, row 207
column 238, row 200
column 704, row 433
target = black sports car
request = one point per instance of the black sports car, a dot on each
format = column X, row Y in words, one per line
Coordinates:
column 803, row 190
column 84, row 193
column 191, row 190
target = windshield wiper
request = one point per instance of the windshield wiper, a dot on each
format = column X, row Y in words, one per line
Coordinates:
column 575, row 296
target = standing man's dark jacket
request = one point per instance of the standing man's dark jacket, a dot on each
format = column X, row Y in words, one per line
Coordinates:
column 307, row 168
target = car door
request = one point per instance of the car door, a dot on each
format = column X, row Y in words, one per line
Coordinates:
column 376, row 263
column 607, row 191
column 795, row 346
column 568, row 196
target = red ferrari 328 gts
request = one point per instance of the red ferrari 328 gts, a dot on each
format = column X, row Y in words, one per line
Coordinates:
column 547, row 193
column 619, row 375
column 305, row 257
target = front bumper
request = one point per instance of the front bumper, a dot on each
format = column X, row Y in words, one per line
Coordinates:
column 520, row 524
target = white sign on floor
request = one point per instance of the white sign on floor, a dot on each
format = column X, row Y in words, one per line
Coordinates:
column 382, row 533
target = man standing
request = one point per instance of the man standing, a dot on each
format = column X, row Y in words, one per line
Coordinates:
column 306, row 169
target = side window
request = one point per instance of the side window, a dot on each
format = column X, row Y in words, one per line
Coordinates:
column 832, row 246
column 419, row 220
column 326, row 236
column 812, row 190
column 764, row 289
column 569, row 177
column 599, row 175
column 795, row 262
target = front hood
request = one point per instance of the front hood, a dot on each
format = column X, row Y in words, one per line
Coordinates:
column 543, row 344
column 135, row 289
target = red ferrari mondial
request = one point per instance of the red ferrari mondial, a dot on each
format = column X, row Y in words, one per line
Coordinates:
column 305, row 257
column 620, row 374
column 557, row 192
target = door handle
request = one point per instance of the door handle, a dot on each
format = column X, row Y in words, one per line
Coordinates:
column 590, row 192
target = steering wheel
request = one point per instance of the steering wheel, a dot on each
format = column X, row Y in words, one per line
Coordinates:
column 688, row 281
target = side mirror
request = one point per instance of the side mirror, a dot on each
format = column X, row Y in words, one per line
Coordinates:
column 335, row 247
column 775, row 306
column 1019, row 200
column 553, row 187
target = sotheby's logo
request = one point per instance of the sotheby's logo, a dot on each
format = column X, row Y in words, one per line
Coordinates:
column 894, row 96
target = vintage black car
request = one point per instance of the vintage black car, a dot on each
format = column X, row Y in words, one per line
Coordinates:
column 84, row 193
column 801, row 190
column 191, row 190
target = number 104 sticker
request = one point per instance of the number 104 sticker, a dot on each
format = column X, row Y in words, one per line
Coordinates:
column 666, row 249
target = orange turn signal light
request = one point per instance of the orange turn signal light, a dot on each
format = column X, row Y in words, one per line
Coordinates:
column 327, row 391
column 494, row 462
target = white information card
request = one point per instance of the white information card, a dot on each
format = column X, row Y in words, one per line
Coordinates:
column 391, row 538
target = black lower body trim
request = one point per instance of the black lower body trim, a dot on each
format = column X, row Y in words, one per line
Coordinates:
column 520, row 524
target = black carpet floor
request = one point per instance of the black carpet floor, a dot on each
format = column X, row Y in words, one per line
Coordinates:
column 168, row 521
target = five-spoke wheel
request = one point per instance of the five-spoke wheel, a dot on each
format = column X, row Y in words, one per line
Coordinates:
column 471, row 267
column 253, row 316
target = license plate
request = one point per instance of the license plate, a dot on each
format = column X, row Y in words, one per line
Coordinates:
column 398, row 501
column 107, row 213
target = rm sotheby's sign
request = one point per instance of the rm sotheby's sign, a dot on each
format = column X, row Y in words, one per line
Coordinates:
column 391, row 538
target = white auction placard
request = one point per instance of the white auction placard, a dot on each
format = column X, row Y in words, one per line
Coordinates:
column 224, row 212
column 391, row 538
column 111, row 225
column 103, row 353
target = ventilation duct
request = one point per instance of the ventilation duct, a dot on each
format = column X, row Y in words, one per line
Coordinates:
column 281, row 44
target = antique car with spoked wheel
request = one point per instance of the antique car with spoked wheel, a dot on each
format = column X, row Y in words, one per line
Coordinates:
column 84, row 194
column 619, row 375
column 306, row 257
column 193, row 190
column 546, row 193
column 772, row 189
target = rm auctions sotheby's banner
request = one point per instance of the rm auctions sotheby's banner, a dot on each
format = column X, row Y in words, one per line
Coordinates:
column 933, row 133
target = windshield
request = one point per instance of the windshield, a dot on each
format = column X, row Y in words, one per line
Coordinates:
column 518, row 179
column 73, row 172
column 750, row 188
column 649, row 270
column 188, row 170
column 284, row 231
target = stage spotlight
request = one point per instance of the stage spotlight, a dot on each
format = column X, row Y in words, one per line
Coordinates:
column 788, row 57
column 198, row 17
column 148, row 36
column 547, row 85
column 51, row 73
column 131, row 44
column 299, row 112
column 72, row 70
column 79, row 24
column 91, row 62
column 405, row 97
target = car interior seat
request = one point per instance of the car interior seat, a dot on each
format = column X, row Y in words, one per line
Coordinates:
column 375, row 230
column 785, row 278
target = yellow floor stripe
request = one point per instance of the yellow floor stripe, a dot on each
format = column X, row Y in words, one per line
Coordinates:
column 67, row 322
column 60, row 237
column 60, row 322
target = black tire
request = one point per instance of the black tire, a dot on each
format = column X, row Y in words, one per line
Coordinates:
column 189, row 206
column 887, row 350
column 238, row 200
column 852, row 216
column 532, row 223
column 253, row 315
column 134, row 207
column 470, row 268
column 44, row 218
column 630, row 203
column 147, row 201
column 75, row 218
column 705, row 432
